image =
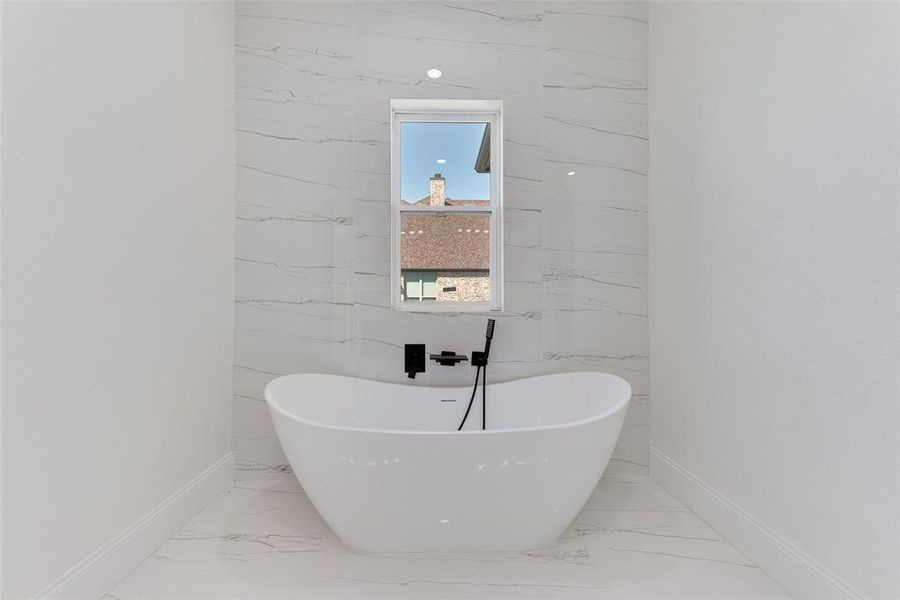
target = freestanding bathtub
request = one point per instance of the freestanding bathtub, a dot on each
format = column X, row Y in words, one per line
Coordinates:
column 387, row 470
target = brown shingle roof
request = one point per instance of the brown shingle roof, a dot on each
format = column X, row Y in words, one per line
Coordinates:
column 448, row 241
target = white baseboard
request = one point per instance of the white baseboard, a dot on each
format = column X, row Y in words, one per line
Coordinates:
column 795, row 570
column 100, row 571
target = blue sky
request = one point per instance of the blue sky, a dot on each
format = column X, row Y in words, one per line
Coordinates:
column 422, row 144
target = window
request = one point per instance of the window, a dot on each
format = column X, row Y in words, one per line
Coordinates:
column 446, row 199
column 418, row 285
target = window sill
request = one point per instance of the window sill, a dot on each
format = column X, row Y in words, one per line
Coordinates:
column 448, row 307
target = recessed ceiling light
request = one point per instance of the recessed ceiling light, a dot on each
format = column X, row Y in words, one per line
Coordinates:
column 433, row 73
column 441, row 161
column 570, row 173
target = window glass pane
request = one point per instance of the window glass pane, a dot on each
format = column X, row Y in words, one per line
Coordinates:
column 445, row 164
column 429, row 285
column 447, row 255
column 413, row 285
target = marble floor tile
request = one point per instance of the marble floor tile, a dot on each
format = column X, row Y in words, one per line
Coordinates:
column 263, row 539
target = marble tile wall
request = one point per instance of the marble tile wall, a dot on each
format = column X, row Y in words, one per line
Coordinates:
column 313, row 187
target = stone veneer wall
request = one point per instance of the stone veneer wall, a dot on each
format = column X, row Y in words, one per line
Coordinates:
column 471, row 286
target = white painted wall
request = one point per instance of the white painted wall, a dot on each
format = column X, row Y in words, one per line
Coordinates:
column 118, row 228
column 774, row 291
column 314, row 84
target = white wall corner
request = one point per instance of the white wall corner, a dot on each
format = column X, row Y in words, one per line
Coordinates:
column 800, row 574
column 105, row 567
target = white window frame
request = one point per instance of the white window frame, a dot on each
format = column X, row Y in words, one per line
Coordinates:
column 450, row 111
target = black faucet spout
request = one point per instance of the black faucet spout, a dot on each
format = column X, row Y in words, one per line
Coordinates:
column 448, row 358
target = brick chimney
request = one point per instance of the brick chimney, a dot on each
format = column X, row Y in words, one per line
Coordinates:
column 436, row 191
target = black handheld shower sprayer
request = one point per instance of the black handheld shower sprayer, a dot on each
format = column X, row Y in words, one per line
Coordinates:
column 480, row 360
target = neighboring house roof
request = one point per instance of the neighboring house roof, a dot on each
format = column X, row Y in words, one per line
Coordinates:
column 445, row 241
column 483, row 160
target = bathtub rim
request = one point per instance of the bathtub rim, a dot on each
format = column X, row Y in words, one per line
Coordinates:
column 620, row 404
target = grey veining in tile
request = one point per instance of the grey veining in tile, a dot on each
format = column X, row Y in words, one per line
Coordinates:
column 263, row 539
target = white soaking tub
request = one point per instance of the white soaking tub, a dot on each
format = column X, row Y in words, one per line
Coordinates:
column 387, row 470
